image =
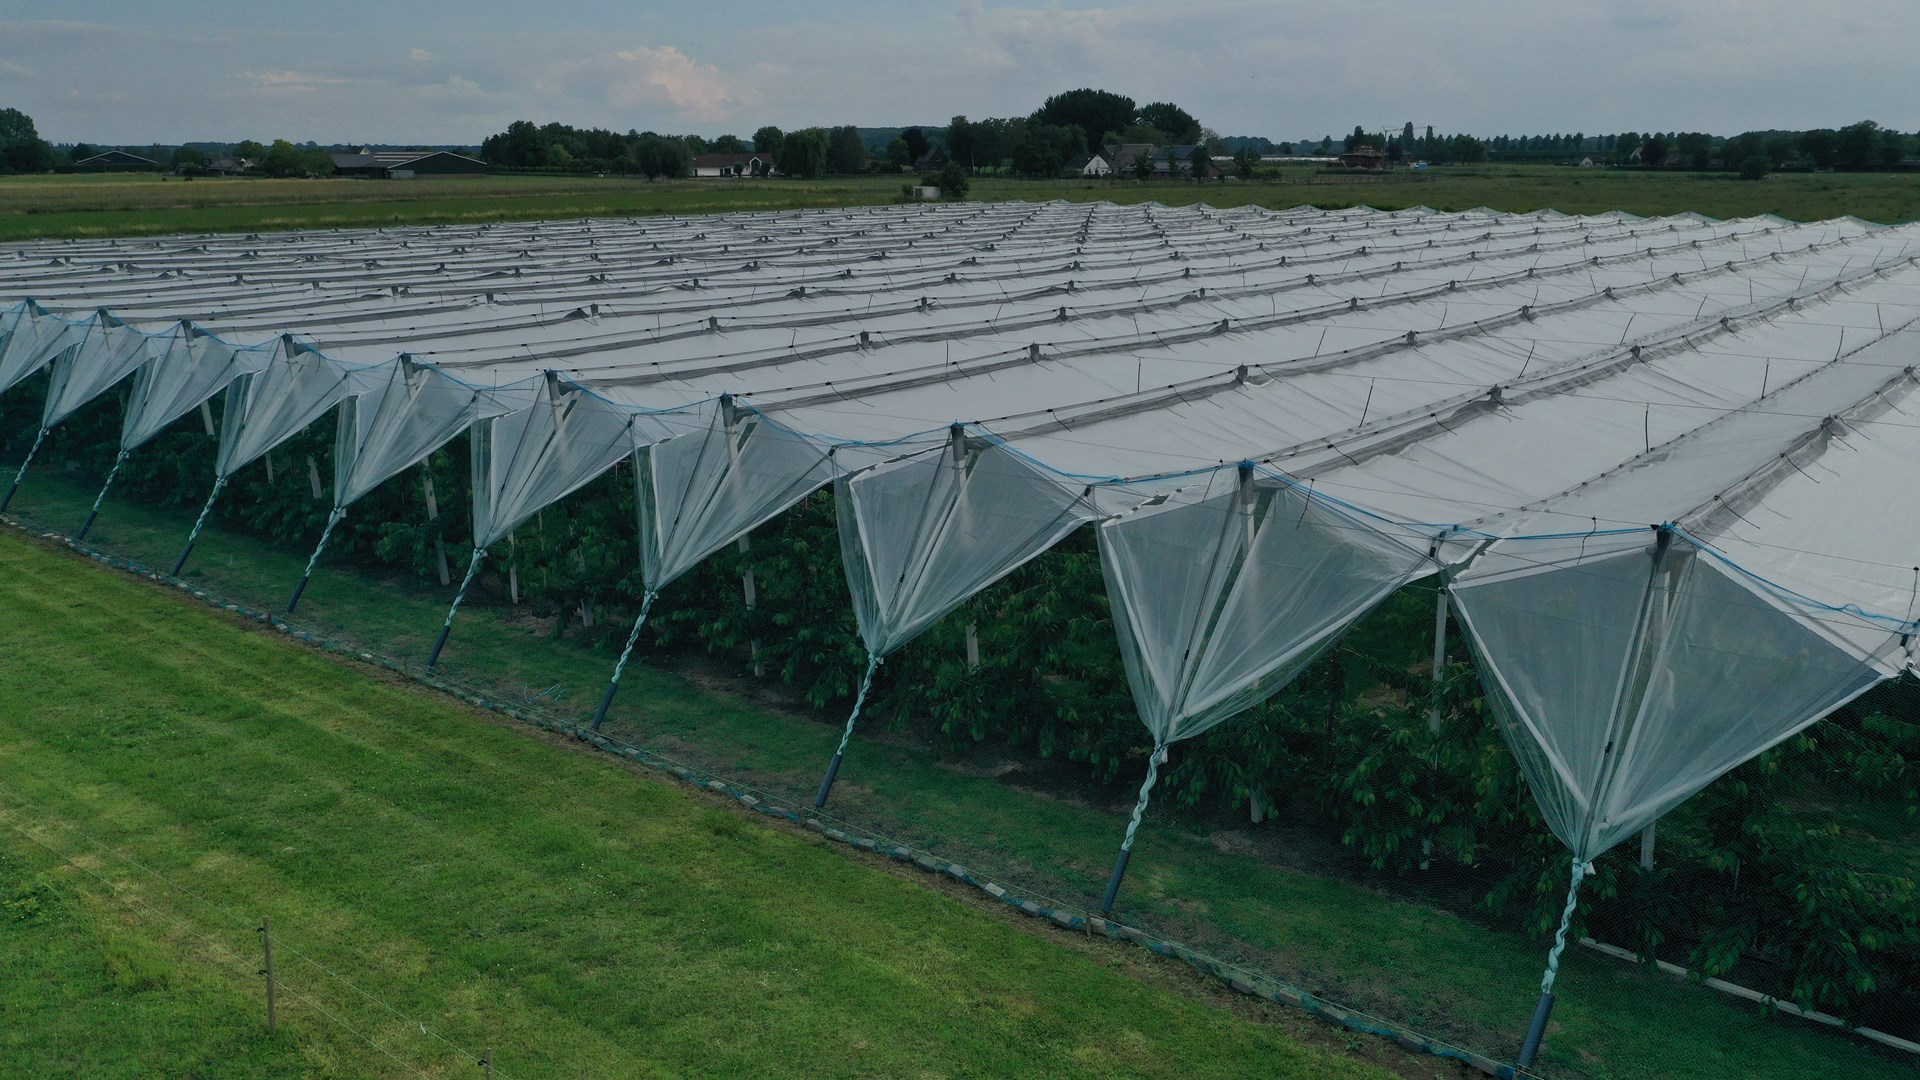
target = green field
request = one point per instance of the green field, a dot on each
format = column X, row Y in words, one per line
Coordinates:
column 146, row 204
column 169, row 777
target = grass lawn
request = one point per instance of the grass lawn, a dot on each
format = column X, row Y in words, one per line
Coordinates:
column 147, row 204
column 1442, row 973
column 167, row 777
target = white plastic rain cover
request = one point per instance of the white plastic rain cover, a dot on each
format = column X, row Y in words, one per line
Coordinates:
column 530, row 458
column 410, row 411
column 1221, row 600
column 268, row 407
column 921, row 536
column 699, row 491
column 1630, row 672
column 36, row 339
column 194, row 367
column 114, row 351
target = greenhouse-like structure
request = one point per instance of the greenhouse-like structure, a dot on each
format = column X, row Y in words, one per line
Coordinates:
column 1648, row 458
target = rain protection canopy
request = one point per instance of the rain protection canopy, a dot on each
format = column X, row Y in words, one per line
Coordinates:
column 195, row 366
column 1628, row 675
column 920, row 535
column 1220, row 600
column 701, row 489
column 409, row 411
column 267, row 407
column 32, row 337
column 534, row 456
column 114, row 351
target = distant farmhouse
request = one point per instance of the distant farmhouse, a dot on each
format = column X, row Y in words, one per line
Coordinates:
column 117, row 161
column 730, row 165
column 1364, row 157
column 406, row 164
column 1090, row 165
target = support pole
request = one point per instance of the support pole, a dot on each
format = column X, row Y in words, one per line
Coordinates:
column 332, row 520
column 1434, row 709
column 87, row 525
column 613, row 684
column 22, row 474
column 266, row 944
column 1646, row 846
column 1158, row 759
column 833, row 767
column 446, row 628
column 198, row 524
column 1537, row 1030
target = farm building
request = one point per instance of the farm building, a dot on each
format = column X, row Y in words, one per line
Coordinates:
column 1090, row 165
column 117, row 161
column 1622, row 445
column 711, row 165
column 405, row 164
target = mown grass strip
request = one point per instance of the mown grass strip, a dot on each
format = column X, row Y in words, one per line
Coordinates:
column 579, row 917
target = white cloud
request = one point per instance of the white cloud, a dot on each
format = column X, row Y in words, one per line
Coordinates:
column 286, row 82
column 653, row 80
column 420, row 55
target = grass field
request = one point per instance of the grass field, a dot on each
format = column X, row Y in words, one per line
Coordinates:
column 1445, row 974
column 145, row 204
column 171, row 777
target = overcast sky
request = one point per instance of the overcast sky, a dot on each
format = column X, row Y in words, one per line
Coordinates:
column 454, row 71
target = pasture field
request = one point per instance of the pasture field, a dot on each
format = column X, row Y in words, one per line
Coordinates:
column 486, row 877
column 145, row 204
column 167, row 777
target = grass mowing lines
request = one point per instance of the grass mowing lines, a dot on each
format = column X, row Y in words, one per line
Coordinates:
column 578, row 916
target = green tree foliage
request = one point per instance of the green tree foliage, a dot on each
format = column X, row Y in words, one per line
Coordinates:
column 1095, row 113
column 846, row 153
column 1245, row 160
column 803, row 154
column 962, row 143
column 1821, row 146
column 1694, row 149
column 1042, row 150
column 899, row 155
column 1654, row 150
column 1360, row 138
column 284, row 159
column 769, row 140
column 917, row 142
column 249, row 150
column 728, row 144
column 1176, row 123
column 22, row 150
column 659, row 156
column 1856, row 146
column 1755, row 167
column 188, row 160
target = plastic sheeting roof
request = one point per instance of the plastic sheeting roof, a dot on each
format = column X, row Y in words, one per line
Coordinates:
column 1275, row 418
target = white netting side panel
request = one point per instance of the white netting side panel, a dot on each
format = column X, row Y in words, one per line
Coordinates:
column 1629, row 680
column 35, row 339
column 1219, row 603
column 193, row 369
column 531, row 458
column 920, row 537
column 268, row 407
column 703, row 490
column 410, row 411
column 114, row 351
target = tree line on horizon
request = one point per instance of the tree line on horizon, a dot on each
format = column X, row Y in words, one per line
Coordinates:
column 1067, row 126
